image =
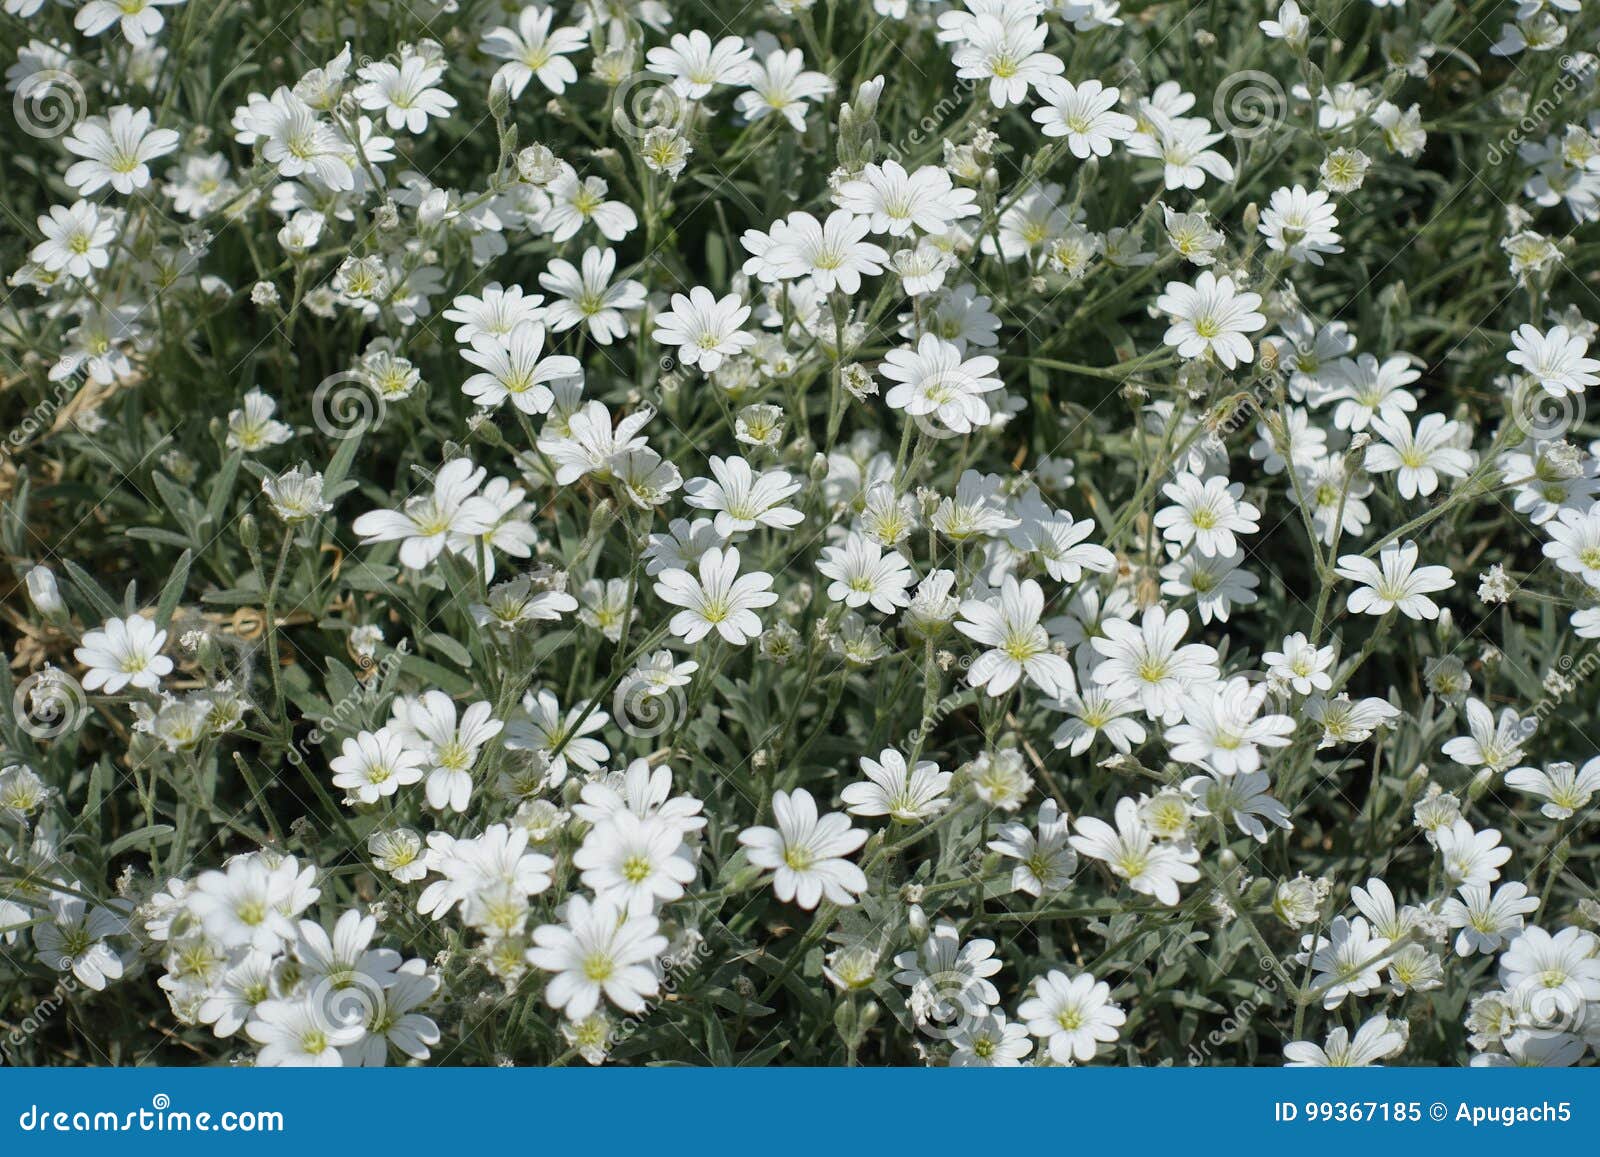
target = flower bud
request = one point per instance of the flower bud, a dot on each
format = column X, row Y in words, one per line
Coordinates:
column 43, row 592
column 917, row 919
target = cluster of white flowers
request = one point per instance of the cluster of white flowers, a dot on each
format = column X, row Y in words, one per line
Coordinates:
column 895, row 527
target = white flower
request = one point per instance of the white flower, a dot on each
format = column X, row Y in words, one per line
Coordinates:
column 704, row 328
column 806, row 853
column 1292, row 26
column 75, row 938
column 1565, row 790
column 1574, row 544
column 1018, row 645
column 1211, row 318
column 949, row 980
column 1183, row 146
column 559, row 737
column 636, row 862
column 1132, row 853
column 781, row 85
column 896, row 202
column 77, row 239
column 718, row 599
column 497, row 314
column 533, row 50
column 1487, row 920
column 514, row 369
column 1377, row 1039
column 1346, row 962
column 1207, row 514
column 591, row 444
column 1073, row 1017
column 905, row 794
column 407, row 92
column 1564, row 964
column 1008, row 53
column 138, row 20
column 123, row 653
column 1470, row 857
column 1082, row 114
column 298, row 1033
column 426, row 522
column 1491, row 744
column 1046, row 861
column 575, row 203
column 374, row 764
column 484, row 875
column 1096, row 711
column 1418, row 457
column 863, row 572
column 1365, row 390
column 1224, row 730
column 696, row 64
column 450, row 749
column 936, row 378
column 589, row 298
column 598, row 950
column 1554, row 359
column 1246, row 799
column 1151, row 663
column 989, row 1041
column 1394, row 582
column 1347, row 721
column 1301, row 664
column 116, row 150
column 744, row 499
column 833, row 254
column 250, row 904
column 1301, row 224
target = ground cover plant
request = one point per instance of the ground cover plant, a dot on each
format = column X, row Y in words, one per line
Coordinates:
column 629, row 532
